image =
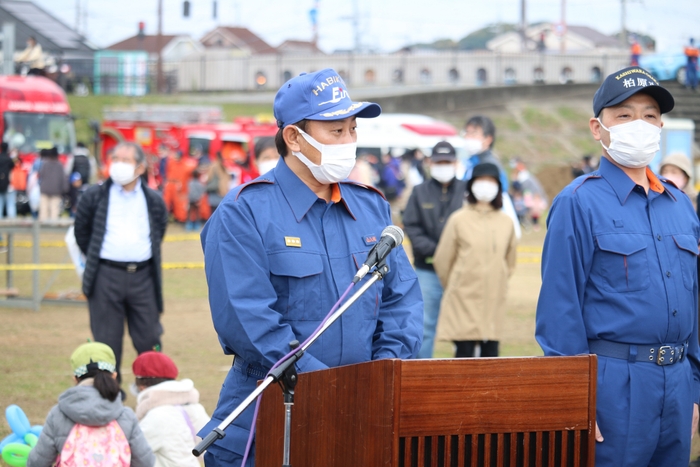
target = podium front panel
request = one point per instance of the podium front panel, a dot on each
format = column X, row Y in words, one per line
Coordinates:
column 341, row 416
column 533, row 411
column 525, row 412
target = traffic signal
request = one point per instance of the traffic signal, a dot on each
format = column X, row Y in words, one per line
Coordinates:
column 186, row 9
column 214, row 10
column 142, row 29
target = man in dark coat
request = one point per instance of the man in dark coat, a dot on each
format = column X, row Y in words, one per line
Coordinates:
column 119, row 226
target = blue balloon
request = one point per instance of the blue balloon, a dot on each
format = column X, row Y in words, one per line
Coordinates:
column 13, row 438
column 36, row 429
column 18, row 421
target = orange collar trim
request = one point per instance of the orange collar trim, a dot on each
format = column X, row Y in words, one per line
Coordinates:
column 335, row 193
column 654, row 183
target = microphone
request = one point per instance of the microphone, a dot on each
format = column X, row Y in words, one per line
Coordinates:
column 391, row 237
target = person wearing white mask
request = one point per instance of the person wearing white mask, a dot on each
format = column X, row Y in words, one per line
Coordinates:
column 619, row 280
column 677, row 168
column 474, row 259
column 479, row 137
column 424, row 218
column 266, row 155
column 119, row 227
column 280, row 250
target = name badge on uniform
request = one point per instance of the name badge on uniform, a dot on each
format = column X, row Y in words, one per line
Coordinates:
column 293, row 242
column 369, row 239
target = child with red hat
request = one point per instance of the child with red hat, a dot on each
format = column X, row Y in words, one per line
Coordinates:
column 168, row 410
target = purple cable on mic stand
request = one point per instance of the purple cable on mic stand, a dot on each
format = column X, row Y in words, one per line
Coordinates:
column 282, row 360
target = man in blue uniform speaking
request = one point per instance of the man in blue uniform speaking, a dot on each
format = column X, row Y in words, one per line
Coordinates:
column 619, row 280
column 280, row 250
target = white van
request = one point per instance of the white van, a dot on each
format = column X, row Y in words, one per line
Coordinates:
column 399, row 132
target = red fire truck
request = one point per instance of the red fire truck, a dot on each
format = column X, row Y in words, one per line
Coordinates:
column 36, row 116
column 185, row 128
column 198, row 133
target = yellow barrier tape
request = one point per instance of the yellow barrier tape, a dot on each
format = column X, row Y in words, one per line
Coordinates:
column 190, row 237
column 61, row 243
column 181, row 237
column 28, row 244
column 71, row 267
column 529, row 249
column 193, row 265
column 37, row 267
column 168, row 266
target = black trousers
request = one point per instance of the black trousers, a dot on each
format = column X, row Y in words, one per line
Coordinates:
column 465, row 349
column 121, row 296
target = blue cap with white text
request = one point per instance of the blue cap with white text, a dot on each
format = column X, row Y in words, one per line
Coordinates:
column 321, row 95
column 623, row 84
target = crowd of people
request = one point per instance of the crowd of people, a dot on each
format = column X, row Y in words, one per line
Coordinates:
column 46, row 189
column 619, row 271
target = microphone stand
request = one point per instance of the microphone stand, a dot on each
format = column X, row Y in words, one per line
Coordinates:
column 286, row 375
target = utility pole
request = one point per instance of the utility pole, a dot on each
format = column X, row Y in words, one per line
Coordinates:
column 562, row 37
column 356, row 24
column 159, row 46
column 237, row 13
column 623, row 26
column 355, row 19
column 523, row 26
column 77, row 16
column 84, row 30
column 313, row 15
column 8, row 48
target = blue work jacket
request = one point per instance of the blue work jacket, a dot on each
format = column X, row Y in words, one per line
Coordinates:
column 277, row 257
column 619, row 265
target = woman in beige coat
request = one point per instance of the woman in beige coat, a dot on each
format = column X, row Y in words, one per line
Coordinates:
column 474, row 259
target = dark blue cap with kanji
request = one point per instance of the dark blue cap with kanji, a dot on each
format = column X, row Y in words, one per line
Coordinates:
column 619, row 86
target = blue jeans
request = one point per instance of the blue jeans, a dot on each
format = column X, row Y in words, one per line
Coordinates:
column 432, row 295
column 9, row 199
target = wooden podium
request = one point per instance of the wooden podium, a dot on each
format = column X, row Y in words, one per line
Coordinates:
column 534, row 411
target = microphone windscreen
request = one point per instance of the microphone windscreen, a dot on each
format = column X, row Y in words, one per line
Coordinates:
column 394, row 232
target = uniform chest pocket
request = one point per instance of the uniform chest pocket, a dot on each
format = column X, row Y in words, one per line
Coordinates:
column 296, row 278
column 621, row 263
column 687, row 257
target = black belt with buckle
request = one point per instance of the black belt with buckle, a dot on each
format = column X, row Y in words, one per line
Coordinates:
column 128, row 266
column 660, row 354
column 249, row 369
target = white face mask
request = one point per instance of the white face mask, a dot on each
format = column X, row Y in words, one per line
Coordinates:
column 443, row 173
column 337, row 160
column 473, row 146
column 679, row 180
column 265, row 166
column 122, row 173
column 633, row 144
column 484, row 190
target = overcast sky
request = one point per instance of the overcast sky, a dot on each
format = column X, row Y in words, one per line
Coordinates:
column 385, row 25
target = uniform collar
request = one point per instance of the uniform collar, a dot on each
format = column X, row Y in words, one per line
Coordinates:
column 623, row 185
column 299, row 196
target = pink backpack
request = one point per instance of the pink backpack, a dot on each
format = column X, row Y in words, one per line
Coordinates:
column 95, row 446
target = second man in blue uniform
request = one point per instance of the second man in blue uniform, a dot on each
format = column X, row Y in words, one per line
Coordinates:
column 619, row 280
